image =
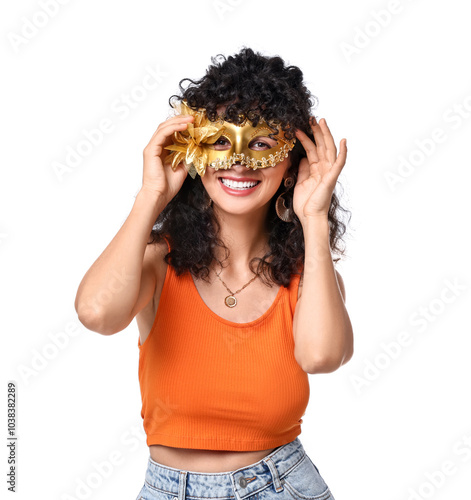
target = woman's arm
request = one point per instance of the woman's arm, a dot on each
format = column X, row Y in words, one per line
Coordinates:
column 122, row 280
column 323, row 332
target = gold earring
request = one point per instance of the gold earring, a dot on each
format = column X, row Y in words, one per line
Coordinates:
column 282, row 210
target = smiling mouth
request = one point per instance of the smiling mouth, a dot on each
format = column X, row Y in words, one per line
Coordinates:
column 241, row 185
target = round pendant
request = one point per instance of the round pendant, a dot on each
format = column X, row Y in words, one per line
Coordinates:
column 230, row 301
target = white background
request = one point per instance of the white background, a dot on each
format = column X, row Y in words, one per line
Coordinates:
column 374, row 433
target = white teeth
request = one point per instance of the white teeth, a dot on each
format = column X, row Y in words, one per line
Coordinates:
column 238, row 185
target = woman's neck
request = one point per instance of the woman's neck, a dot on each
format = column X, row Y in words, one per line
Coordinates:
column 245, row 236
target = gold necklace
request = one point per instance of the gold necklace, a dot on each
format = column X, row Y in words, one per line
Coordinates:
column 230, row 300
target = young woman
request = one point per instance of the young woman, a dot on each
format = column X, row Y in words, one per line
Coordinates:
column 237, row 196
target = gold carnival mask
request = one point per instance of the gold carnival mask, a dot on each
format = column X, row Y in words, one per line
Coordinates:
column 196, row 146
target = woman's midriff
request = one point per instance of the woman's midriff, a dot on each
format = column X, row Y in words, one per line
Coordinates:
column 205, row 460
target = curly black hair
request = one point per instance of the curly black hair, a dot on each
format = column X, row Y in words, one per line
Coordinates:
column 251, row 86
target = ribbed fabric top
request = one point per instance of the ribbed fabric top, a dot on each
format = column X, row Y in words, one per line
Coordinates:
column 210, row 383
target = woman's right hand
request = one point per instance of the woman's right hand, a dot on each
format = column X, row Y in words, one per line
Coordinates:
column 159, row 178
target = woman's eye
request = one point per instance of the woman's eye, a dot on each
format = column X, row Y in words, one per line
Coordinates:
column 222, row 143
column 260, row 145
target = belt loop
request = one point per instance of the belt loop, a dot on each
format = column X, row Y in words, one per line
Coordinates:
column 274, row 472
column 182, row 485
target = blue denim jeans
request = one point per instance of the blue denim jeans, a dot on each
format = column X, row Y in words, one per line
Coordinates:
column 287, row 473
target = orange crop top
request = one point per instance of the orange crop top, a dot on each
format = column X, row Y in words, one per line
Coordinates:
column 209, row 383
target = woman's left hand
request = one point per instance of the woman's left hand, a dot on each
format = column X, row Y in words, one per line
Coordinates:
column 318, row 173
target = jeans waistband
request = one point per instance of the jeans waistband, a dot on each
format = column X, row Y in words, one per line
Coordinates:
column 243, row 482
